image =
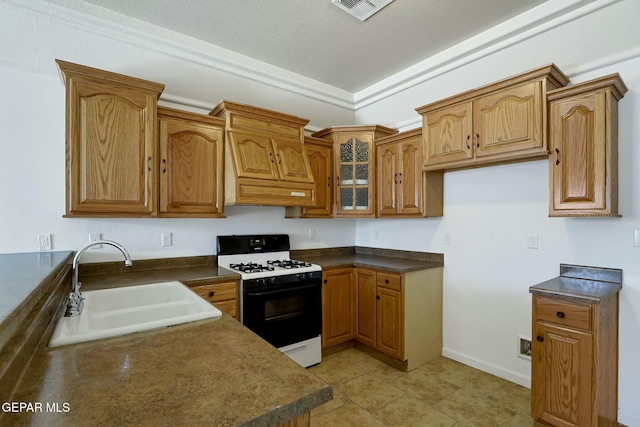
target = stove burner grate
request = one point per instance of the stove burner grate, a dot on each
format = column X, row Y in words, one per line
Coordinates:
column 251, row 267
column 289, row 263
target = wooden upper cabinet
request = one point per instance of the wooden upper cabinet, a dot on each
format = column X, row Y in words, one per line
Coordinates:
column 448, row 132
column 583, row 165
column 265, row 159
column 111, row 145
column 320, row 154
column 292, row 160
column 191, row 165
column 497, row 123
column 254, row 156
column 402, row 188
column 387, row 179
column 509, row 120
column 354, row 167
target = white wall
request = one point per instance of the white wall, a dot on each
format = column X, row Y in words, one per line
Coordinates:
column 32, row 130
column 490, row 211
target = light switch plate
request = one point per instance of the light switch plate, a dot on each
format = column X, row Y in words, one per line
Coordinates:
column 532, row 241
column 636, row 237
column 446, row 239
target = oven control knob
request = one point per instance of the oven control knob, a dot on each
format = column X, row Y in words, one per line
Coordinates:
column 271, row 280
column 303, row 276
column 261, row 282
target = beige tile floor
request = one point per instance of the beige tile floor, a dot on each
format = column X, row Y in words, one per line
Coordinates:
column 441, row 393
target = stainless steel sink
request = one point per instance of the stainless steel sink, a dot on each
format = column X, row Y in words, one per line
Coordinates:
column 120, row 311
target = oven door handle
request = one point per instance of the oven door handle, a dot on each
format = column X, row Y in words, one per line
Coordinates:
column 293, row 288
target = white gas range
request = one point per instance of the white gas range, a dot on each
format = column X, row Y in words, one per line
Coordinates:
column 280, row 298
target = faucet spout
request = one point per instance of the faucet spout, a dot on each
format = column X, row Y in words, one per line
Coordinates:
column 75, row 301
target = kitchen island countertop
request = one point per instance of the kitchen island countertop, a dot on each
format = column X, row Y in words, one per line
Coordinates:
column 210, row 372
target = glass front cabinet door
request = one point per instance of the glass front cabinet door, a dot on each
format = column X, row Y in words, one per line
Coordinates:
column 354, row 167
column 354, row 175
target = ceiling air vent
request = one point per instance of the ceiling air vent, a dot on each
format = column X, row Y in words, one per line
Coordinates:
column 361, row 9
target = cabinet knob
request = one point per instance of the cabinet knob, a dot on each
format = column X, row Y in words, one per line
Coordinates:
column 377, row 296
column 539, row 338
column 477, row 140
column 164, row 165
column 560, row 314
column 400, row 175
column 386, row 281
column 212, row 293
column 468, row 138
column 557, row 156
column 325, row 280
column 149, row 163
column 328, row 181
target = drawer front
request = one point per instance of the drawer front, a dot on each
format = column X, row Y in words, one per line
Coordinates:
column 217, row 292
column 564, row 313
column 390, row 281
column 229, row 307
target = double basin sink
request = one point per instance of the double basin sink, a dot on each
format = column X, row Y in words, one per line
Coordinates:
column 120, row 311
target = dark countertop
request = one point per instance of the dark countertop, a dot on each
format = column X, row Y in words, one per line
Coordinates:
column 570, row 287
column 193, row 274
column 391, row 260
column 376, row 262
column 210, row 372
column 20, row 275
column 576, row 281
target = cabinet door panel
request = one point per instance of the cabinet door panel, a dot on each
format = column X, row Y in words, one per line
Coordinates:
column 508, row 121
column 292, row 161
column 321, row 163
column 387, row 179
column 191, row 156
column 113, row 151
column 389, row 327
column 410, row 178
column 354, row 167
column 578, row 159
column 562, row 379
column 253, row 156
column 337, row 303
column 447, row 134
column 366, row 307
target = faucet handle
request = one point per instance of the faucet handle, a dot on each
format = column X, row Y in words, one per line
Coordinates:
column 75, row 304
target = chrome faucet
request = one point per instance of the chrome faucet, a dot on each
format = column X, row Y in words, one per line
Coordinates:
column 75, row 301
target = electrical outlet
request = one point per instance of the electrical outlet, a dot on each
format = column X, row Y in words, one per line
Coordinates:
column 636, row 237
column 446, row 239
column 532, row 241
column 524, row 349
column 312, row 234
column 94, row 237
column 167, row 239
column 44, row 242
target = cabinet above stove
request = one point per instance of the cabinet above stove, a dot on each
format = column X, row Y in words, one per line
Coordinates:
column 265, row 159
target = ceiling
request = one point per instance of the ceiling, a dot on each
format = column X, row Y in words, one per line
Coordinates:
column 318, row 40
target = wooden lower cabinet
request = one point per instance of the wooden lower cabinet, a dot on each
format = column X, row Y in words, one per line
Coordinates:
column 389, row 323
column 337, row 306
column 574, row 361
column 399, row 315
column 365, row 302
column 223, row 295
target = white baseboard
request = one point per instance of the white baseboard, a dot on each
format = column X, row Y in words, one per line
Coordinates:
column 506, row 374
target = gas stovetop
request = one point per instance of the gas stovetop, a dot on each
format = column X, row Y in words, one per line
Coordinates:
column 260, row 256
column 253, row 266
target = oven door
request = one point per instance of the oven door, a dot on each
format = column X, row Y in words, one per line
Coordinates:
column 286, row 315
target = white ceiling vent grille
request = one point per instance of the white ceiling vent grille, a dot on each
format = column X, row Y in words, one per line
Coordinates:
column 361, row 9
